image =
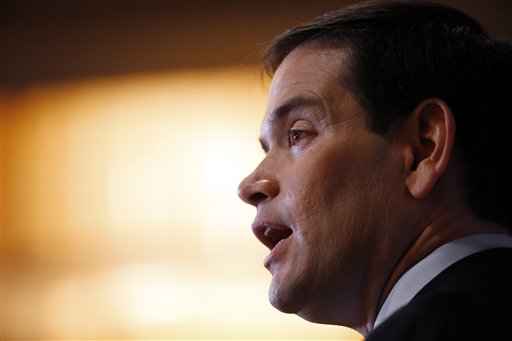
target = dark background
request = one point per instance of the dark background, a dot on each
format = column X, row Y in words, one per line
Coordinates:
column 56, row 40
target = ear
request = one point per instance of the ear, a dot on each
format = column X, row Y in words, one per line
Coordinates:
column 430, row 135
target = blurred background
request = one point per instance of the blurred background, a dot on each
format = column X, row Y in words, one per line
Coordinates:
column 126, row 127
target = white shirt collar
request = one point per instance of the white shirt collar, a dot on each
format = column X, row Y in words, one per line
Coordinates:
column 424, row 271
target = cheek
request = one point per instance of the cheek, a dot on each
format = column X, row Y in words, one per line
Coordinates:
column 322, row 184
column 315, row 189
column 333, row 197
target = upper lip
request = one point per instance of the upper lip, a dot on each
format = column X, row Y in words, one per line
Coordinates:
column 270, row 233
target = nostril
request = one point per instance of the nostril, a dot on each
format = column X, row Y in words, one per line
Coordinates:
column 258, row 187
column 257, row 197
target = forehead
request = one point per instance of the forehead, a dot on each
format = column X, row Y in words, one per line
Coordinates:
column 309, row 74
column 309, row 64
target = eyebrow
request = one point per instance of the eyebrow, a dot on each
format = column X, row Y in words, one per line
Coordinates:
column 281, row 112
column 292, row 104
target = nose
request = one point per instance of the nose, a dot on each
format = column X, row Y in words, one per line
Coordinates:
column 258, row 187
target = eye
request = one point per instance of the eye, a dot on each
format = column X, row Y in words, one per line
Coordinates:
column 300, row 132
column 297, row 136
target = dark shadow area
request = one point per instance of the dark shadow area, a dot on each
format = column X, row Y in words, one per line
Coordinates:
column 52, row 40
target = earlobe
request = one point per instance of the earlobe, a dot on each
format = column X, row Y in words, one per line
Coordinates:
column 422, row 179
column 430, row 141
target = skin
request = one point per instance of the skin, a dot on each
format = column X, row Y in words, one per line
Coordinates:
column 344, row 211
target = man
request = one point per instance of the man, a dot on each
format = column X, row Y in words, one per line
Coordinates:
column 383, row 195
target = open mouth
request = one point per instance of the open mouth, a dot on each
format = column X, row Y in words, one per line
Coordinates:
column 270, row 235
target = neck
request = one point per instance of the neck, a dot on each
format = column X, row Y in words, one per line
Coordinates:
column 437, row 233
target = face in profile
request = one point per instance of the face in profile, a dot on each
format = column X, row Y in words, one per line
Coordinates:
column 319, row 191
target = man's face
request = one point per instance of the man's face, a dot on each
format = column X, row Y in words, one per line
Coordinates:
column 321, row 192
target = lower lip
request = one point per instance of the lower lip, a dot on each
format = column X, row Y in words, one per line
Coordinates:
column 276, row 251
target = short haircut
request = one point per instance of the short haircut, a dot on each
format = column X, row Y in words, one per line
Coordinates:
column 402, row 52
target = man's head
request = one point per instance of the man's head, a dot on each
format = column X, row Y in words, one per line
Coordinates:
column 402, row 52
column 358, row 134
column 318, row 191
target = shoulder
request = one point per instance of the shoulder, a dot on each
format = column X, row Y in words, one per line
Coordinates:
column 470, row 300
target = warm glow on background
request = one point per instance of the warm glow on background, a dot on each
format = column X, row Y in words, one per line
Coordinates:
column 120, row 217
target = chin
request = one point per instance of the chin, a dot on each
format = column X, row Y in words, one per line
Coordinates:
column 283, row 303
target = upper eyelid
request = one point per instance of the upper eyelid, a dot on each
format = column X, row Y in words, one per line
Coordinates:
column 308, row 125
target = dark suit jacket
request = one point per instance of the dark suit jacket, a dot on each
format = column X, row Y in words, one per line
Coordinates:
column 470, row 300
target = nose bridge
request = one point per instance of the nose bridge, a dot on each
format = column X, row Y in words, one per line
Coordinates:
column 260, row 185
